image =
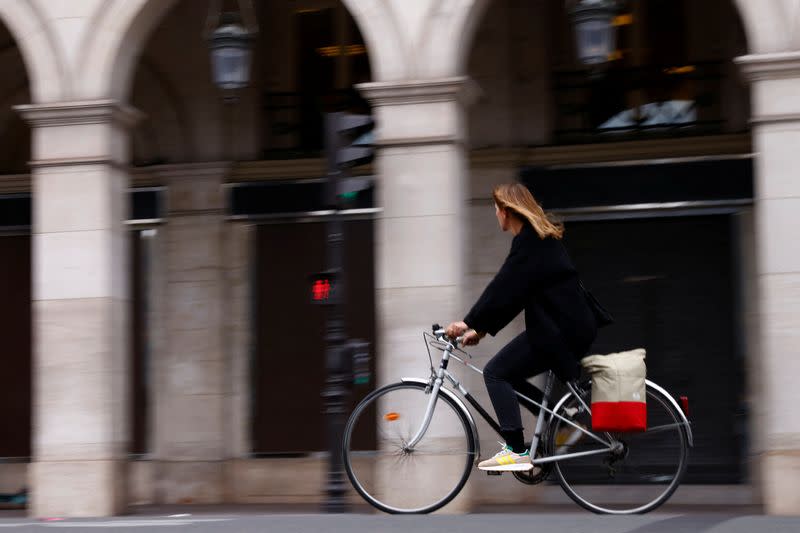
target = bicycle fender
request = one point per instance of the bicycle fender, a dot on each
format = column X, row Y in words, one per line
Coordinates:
column 677, row 407
column 663, row 392
column 451, row 395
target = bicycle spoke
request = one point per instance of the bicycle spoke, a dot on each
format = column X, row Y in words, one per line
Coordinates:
column 663, row 427
column 417, row 452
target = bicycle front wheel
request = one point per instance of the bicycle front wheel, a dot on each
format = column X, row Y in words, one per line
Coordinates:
column 389, row 475
column 638, row 476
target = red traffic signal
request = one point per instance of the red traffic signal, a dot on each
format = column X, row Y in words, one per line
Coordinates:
column 321, row 290
column 323, row 287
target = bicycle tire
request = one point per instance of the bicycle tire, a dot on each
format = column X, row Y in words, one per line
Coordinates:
column 656, row 401
column 350, row 456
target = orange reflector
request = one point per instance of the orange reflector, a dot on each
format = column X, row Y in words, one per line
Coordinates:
column 391, row 417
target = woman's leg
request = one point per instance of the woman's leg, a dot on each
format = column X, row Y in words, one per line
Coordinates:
column 509, row 368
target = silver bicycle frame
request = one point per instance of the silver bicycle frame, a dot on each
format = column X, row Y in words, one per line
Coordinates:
column 426, row 421
column 443, row 373
column 548, row 389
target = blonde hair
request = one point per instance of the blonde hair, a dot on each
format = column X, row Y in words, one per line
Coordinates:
column 516, row 198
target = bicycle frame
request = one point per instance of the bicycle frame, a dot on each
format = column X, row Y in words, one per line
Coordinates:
column 437, row 381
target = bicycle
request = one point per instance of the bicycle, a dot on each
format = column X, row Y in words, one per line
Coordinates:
column 426, row 432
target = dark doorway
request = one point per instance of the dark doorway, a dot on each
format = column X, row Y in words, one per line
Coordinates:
column 15, row 331
column 139, row 373
column 671, row 285
column 289, row 363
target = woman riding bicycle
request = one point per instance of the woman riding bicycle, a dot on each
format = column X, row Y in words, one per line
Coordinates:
column 539, row 277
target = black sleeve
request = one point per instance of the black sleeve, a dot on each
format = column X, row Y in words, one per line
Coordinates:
column 505, row 296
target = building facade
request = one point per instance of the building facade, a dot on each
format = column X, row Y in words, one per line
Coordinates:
column 154, row 233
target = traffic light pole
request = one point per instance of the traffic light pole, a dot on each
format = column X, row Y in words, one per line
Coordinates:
column 346, row 360
column 336, row 388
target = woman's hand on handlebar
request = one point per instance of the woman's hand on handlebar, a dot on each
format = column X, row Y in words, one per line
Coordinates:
column 471, row 338
column 461, row 331
column 456, row 329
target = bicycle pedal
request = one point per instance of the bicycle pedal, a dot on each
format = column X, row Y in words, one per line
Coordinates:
column 494, row 473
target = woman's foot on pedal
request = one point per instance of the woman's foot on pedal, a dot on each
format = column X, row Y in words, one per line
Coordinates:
column 506, row 460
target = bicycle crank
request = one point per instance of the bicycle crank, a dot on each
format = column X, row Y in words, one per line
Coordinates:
column 535, row 475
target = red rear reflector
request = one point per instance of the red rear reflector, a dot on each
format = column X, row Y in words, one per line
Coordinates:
column 685, row 405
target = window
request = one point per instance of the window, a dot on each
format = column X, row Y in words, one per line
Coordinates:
column 331, row 57
column 651, row 85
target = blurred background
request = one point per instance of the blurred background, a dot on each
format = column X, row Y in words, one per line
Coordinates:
column 158, row 227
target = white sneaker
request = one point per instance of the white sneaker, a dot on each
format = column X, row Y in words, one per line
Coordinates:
column 507, row 460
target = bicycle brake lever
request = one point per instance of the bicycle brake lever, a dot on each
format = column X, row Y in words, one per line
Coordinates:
column 456, row 343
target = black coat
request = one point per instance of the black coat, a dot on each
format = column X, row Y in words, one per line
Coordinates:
column 539, row 277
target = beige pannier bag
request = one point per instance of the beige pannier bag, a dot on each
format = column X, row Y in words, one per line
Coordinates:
column 618, row 391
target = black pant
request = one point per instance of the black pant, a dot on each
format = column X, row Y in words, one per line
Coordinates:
column 510, row 369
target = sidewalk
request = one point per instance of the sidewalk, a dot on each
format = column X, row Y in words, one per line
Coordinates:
column 247, row 510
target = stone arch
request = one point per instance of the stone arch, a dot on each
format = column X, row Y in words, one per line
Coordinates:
column 110, row 55
column 384, row 39
column 449, row 47
column 43, row 60
column 769, row 26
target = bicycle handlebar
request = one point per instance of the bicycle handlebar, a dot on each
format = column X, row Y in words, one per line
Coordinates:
column 438, row 332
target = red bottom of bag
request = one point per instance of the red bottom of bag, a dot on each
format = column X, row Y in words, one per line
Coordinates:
column 619, row 416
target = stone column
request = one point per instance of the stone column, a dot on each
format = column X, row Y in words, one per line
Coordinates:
column 191, row 383
column 421, row 233
column 239, row 245
column 80, row 292
column 775, row 80
column 421, row 185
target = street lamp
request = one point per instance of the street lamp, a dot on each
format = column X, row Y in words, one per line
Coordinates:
column 594, row 29
column 231, row 45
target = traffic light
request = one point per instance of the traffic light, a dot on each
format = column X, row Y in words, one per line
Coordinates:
column 349, row 188
column 352, row 139
column 349, row 143
column 360, row 358
column 324, row 287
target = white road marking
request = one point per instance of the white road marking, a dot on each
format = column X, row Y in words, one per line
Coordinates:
column 137, row 523
column 118, row 523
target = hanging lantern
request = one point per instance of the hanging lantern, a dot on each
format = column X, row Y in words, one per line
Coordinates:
column 231, row 45
column 594, row 29
column 231, row 49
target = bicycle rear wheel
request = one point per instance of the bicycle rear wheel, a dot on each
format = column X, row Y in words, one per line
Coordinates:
column 636, row 478
column 388, row 475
